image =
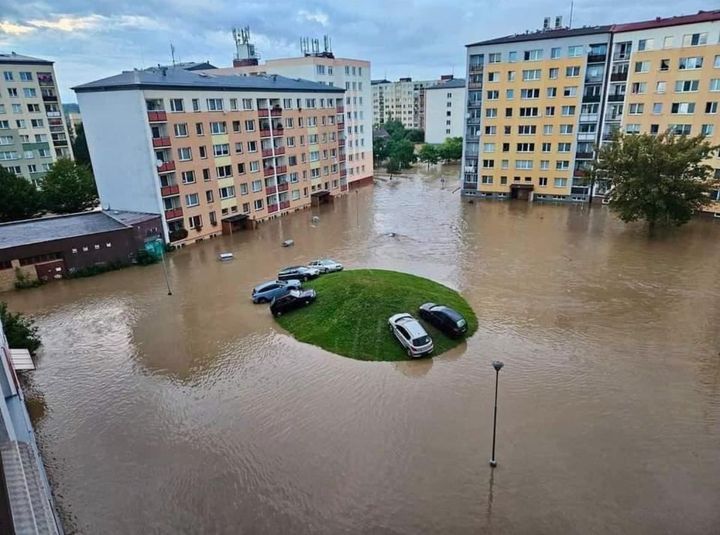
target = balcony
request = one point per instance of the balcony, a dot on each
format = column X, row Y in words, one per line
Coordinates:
column 340, row 125
column 281, row 169
column 267, row 153
column 616, row 98
column 591, row 98
column 265, row 133
column 476, row 68
column 284, row 205
column 284, row 186
column 49, row 98
column 174, row 213
column 161, row 142
column 276, row 112
column 272, row 208
column 270, row 190
column 339, row 109
column 475, row 85
column 474, row 103
column 53, row 114
column 470, row 185
column 279, row 151
column 584, row 155
column 268, row 171
column 621, row 56
column 55, row 122
column 618, row 76
column 581, row 173
column 166, row 167
column 343, row 172
column 597, row 58
column 60, row 142
column 157, row 116
column 341, row 142
column 168, row 191
column 341, row 158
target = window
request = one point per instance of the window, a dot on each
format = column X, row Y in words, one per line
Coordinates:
column 504, row 164
column 552, row 92
column 512, row 56
column 243, row 188
column 660, row 87
column 203, row 151
column 177, row 105
column 489, row 130
column 254, row 166
column 180, row 130
column 509, row 94
column 523, row 164
column 493, row 77
column 491, row 112
column 529, row 112
column 542, row 181
column 561, row 165
column 686, row 86
column 224, row 171
column 680, row 129
column 692, row 62
column 221, row 149
column 560, row 182
column 228, row 192
column 492, row 95
column 12, row 92
column 487, row 147
column 488, row 164
column 533, row 55
column 249, row 125
column 241, row 168
column 247, row 104
column 486, row 179
column 206, row 174
column 29, row 92
column 711, row 107
column 192, row 199
column 508, row 112
column 554, row 73
column 258, row 204
column 544, row 165
column 531, row 74
column 645, row 44
column 570, row 91
column 664, row 64
column 215, row 104
column 575, row 51
column 525, row 147
column 694, row 39
column 252, row 146
column 8, row 76
column 549, row 111
column 199, row 129
column 511, row 76
column 564, row 147
column 37, row 123
column 495, row 57
column 529, row 93
column 184, row 154
column 218, row 127
column 638, row 88
column 715, row 84
column 707, row 129
column 547, row 129
column 657, row 108
column 572, row 72
column 632, row 128
column 566, row 129
column 527, row 129
column 555, row 52
column 654, row 128
column 568, row 110
column 636, row 109
column 196, row 104
column 683, row 108
column 642, row 66
column 233, row 106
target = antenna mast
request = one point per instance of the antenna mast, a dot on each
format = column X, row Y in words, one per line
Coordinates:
column 571, row 13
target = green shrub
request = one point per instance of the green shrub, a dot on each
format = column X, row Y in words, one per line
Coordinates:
column 23, row 280
column 20, row 331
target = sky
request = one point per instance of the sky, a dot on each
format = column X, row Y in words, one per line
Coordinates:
column 422, row 39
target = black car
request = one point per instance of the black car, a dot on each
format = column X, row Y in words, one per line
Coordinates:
column 292, row 300
column 298, row 272
column 443, row 318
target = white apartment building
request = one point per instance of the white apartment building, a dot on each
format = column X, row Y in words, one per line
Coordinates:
column 403, row 101
column 350, row 74
column 33, row 133
column 444, row 110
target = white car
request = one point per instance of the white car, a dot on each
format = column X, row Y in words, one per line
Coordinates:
column 411, row 335
column 326, row 265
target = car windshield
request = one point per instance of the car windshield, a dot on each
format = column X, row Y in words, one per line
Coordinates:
column 421, row 341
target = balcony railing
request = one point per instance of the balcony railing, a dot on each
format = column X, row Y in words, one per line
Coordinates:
column 267, row 153
column 60, row 142
column 616, row 98
column 284, row 205
column 343, row 187
column 343, row 172
column 174, row 213
column 475, row 85
column 280, row 169
column 618, row 76
column 279, row 150
column 161, row 142
column 591, row 98
column 340, row 125
column 469, row 185
column 584, row 155
column 272, row 208
column 339, row 109
column 474, row 103
column 597, row 58
column 268, row 171
column 270, row 190
column 157, row 116
column 341, row 158
column 167, row 191
column 53, row 114
column 476, row 68
column 265, row 132
column 276, row 112
column 49, row 98
column 166, row 167
column 341, row 142
column 283, row 186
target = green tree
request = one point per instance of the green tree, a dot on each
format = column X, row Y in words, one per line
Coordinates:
column 656, row 178
column 19, row 199
column 451, row 148
column 429, row 154
column 20, row 331
column 416, row 135
column 68, row 187
column 380, row 149
column 392, row 166
column 403, row 151
column 395, row 128
column 80, row 148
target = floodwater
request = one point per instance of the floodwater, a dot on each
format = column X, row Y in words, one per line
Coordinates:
column 195, row 413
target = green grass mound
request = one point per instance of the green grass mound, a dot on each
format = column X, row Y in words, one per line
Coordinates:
column 350, row 315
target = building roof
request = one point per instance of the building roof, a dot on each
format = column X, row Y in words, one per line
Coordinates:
column 383, row 81
column 448, row 84
column 700, row 16
column 43, row 229
column 544, row 34
column 12, row 57
column 189, row 66
column 181, row 79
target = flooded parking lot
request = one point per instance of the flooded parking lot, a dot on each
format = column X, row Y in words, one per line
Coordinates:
column 195, row 413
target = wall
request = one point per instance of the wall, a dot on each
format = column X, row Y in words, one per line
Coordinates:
column 436, row 108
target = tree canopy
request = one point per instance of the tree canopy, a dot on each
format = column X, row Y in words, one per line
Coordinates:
column 20, row 331
column 80, row 148
column 68, row 187
column 451, row 148
column 19, row 199
column 656, row 178
column 429, row 154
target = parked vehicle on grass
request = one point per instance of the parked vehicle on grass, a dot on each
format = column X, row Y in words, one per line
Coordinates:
column 267, row 291
column 292, row 300
column 326, row 265
column 298, row 272
column 444, row 318
column 411, row 335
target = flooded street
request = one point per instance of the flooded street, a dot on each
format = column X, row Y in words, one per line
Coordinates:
column 195, row 413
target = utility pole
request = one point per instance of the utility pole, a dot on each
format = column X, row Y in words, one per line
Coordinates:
column 498, row 366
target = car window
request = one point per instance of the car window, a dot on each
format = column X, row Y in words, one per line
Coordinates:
column 421, row 341
column 271, row 287
column 403, row 332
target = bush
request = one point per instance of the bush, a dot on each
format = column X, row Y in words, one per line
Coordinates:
column 23, row 281
column 179, row 234
column 97, row 269
column 20, row 331
column 144, row 258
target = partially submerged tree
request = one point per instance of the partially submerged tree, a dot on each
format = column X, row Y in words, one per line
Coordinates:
column 429, row 154
column 68, row 187
column 451, row 148
column 19, row 199
column 20, row 331
column 656, row 178
column 392, row 167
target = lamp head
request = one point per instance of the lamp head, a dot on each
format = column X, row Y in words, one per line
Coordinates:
column 497, row 365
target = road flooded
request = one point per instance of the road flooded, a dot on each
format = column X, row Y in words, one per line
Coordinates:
column 195, row 413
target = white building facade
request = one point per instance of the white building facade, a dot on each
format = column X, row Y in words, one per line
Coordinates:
column 444, row 110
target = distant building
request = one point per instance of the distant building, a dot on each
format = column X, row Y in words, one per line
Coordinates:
column 352, row 75
column 26, row 501
column 50, row 248
column 402, row 101
column 445, row 110
column 73, row 119
column 212, row 152
column 33, row 133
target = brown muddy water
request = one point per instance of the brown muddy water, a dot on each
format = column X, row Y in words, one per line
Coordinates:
column 195, row 413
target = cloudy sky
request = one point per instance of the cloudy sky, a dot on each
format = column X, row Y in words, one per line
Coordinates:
column 423, row 38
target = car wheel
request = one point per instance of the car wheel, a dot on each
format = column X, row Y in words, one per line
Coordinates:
column 278, row 313
column 409, row 353
column 307, row 303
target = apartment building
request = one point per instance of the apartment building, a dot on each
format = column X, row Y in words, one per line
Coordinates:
column 33, row 133
column 539, row 103
column 212, row 152
column 402, row 101
column 353, row 76
column 445, row 110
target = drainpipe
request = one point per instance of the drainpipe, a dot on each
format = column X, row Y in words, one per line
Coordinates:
column 603, row 103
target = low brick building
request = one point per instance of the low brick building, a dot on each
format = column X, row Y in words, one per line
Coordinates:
column 54, row 247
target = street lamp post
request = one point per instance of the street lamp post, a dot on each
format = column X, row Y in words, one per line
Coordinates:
column 498, row 366
column 357, row 208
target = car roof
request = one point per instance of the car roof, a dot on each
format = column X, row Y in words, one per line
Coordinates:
column 290, row 267
column 412, row 326
column 264, row 284
column 449, row 312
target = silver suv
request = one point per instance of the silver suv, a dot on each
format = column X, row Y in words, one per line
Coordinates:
column 411, row 335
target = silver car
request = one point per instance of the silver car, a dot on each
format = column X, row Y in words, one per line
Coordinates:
column 326, row 265
column 411, row 335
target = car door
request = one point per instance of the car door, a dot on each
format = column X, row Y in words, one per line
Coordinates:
column 402, row 335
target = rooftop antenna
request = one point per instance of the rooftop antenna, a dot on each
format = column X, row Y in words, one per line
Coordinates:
column 244, row 50
column 172, row 53
column 571, row 13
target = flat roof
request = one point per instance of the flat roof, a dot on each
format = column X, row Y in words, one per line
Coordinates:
column 12, row 57
column 544, row 34
column 182, row 79
column 659, row 22
column 44, row 229
column 448, row 84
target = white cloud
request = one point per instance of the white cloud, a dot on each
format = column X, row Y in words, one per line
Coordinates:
column 69, row 23
column 12, row 28
column 317, row 16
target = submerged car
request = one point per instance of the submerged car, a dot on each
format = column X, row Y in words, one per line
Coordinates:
column 267, row 291
column 411, row 335
column 292, row 300
column 298, row 272
column 326, row 265
column 444, row 318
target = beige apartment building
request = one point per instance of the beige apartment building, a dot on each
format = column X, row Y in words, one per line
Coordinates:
column 538, row 104
column 33, row 133
column 210, row 152
column 402, row 101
